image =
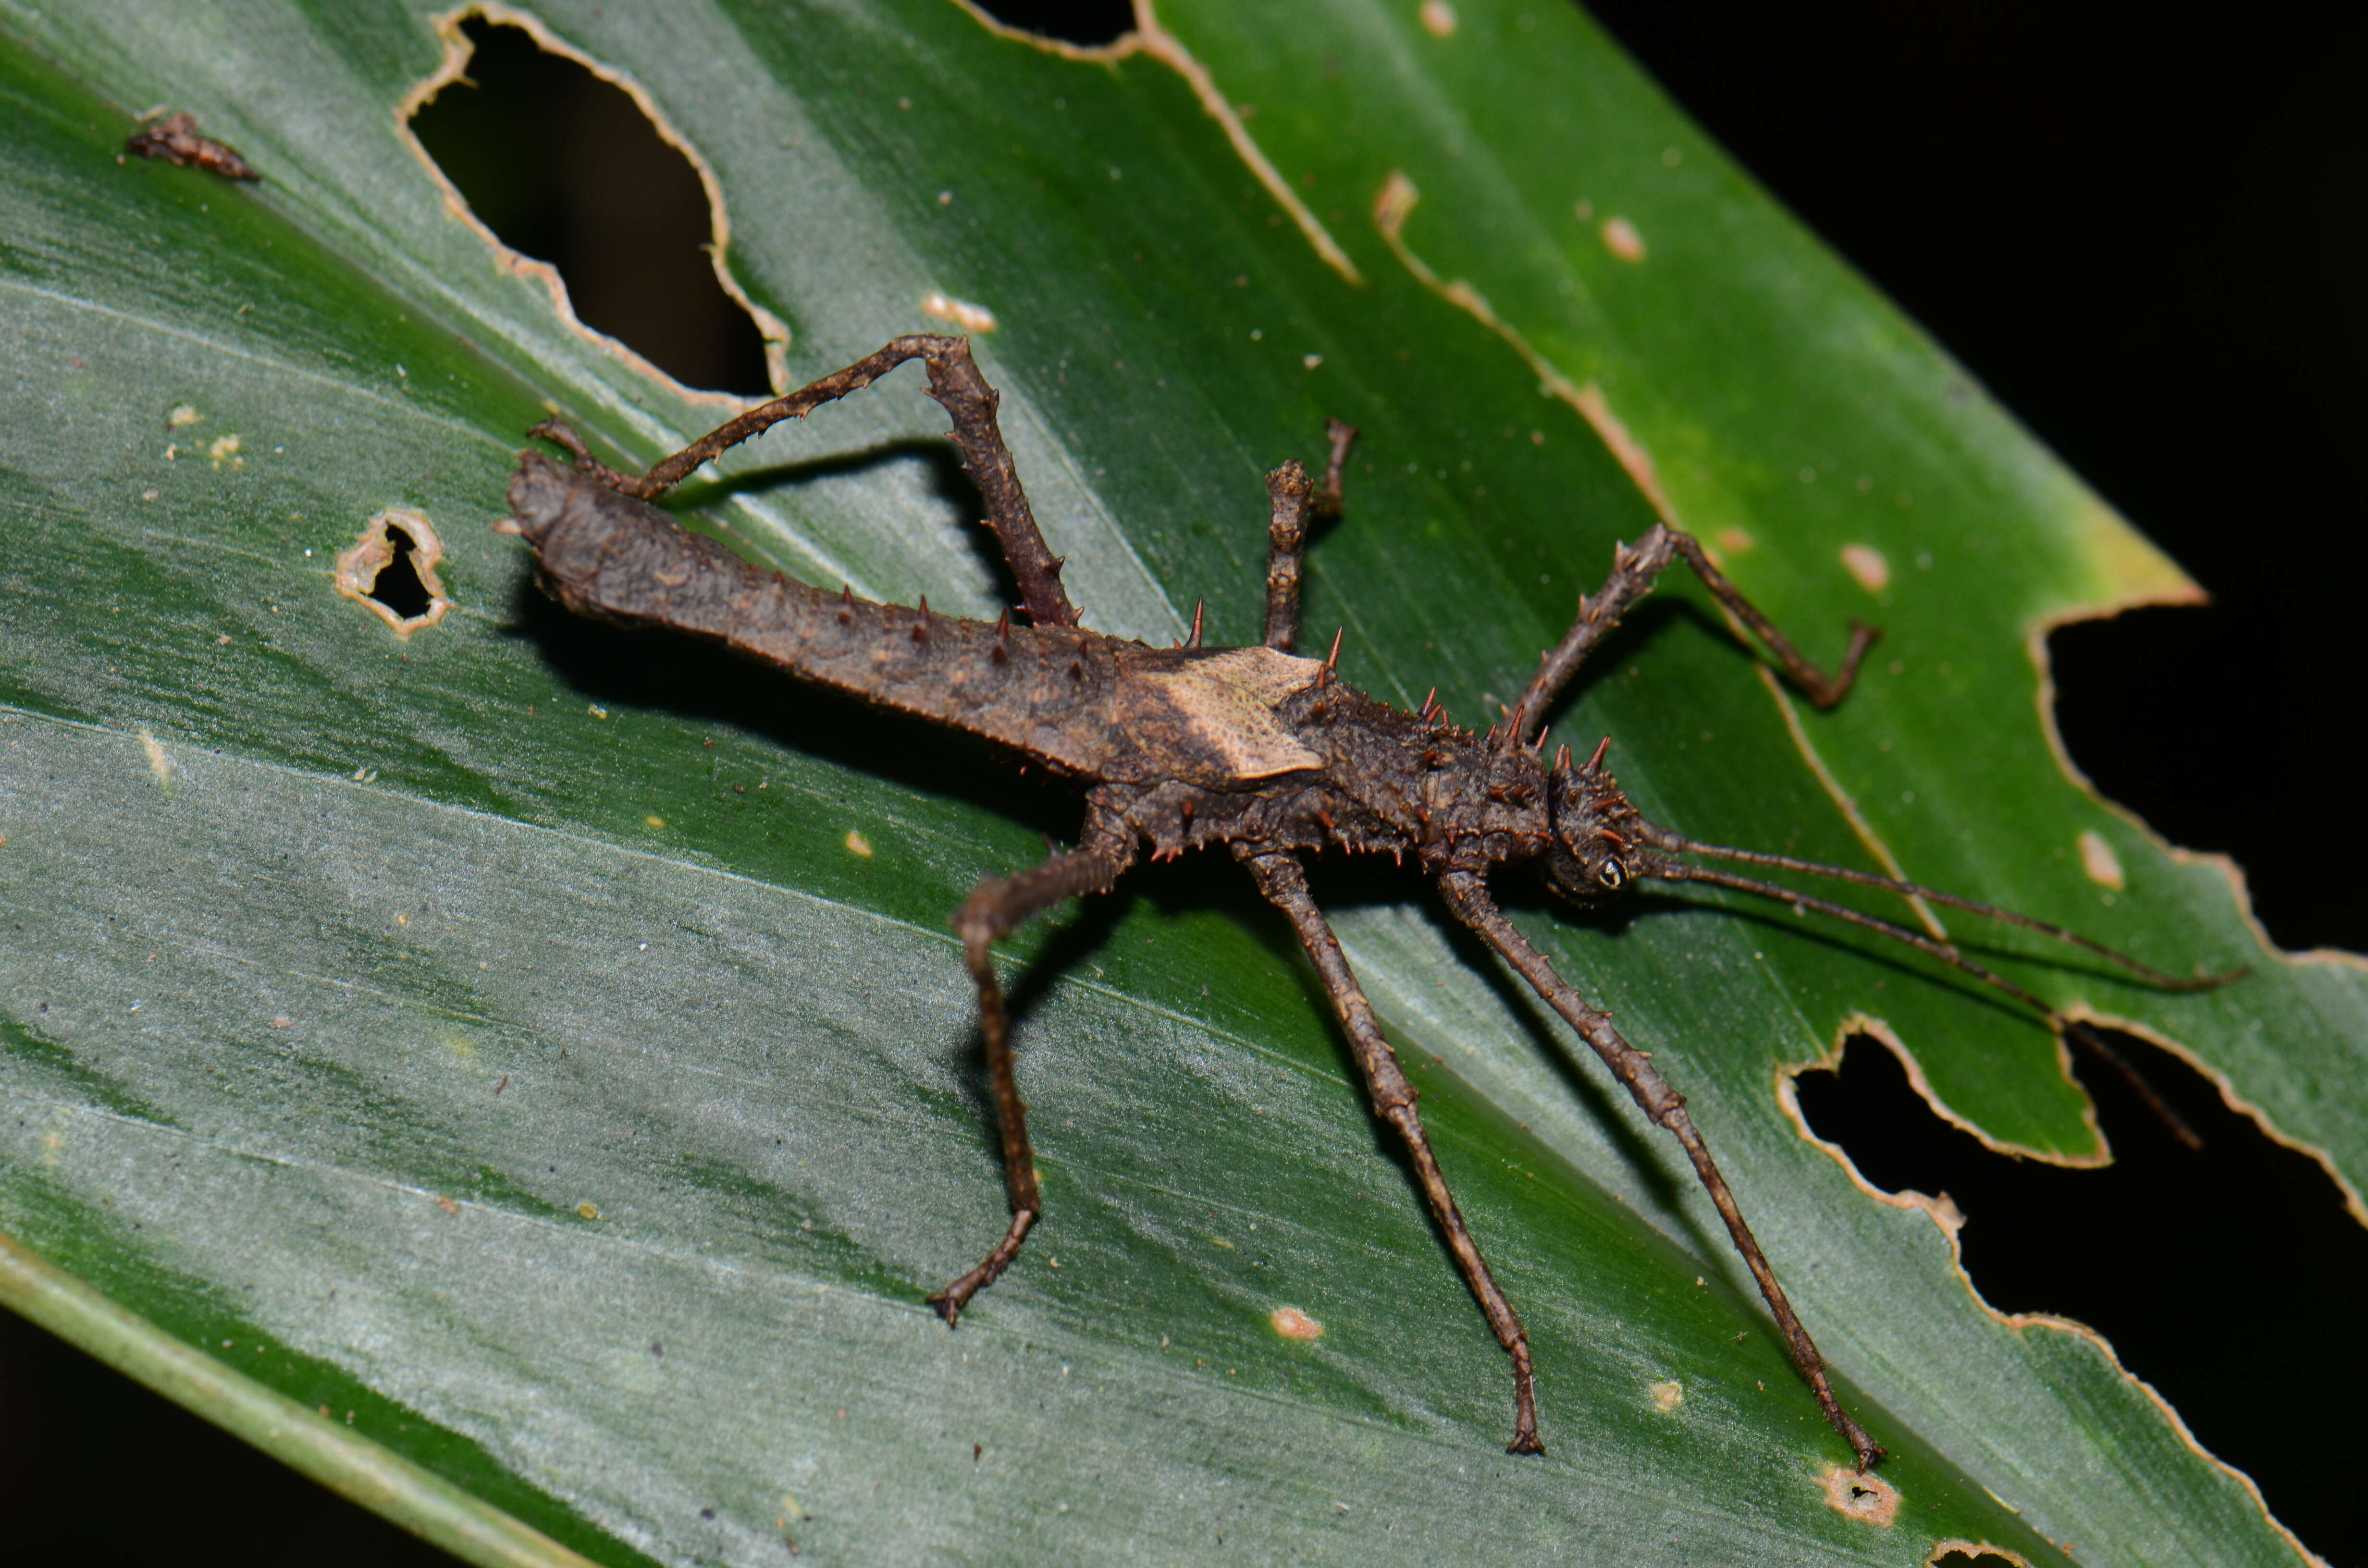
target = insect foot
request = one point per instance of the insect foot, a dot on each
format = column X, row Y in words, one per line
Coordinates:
column 1257, row 749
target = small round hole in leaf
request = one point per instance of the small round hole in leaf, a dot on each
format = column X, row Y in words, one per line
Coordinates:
column 392, row 569
column 398, row 586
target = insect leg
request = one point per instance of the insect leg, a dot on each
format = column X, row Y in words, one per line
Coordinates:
column 1295, row 501
column 1467, row 895
column 999, row 908
column 1286, row 542
column 1342, row 435
column 1285, row 886
column 955, row 382
column 1633, row 571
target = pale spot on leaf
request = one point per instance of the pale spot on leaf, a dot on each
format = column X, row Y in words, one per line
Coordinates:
column 1668, row 1396
column 963, row 313
column 2097, row 859
column 1621, row 238
column 1292, row 1323
column 1866, row 564
column 1868, row 1498
column 159, row 763
column 1437, row 18
column 857, row 845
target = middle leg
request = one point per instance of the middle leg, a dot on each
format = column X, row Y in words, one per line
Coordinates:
column 995, row 911
column 1295, row 502
column 1285, row 886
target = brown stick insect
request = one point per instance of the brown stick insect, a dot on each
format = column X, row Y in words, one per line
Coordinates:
column 1258, row 751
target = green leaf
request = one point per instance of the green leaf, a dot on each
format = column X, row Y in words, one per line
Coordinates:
column 543, row 1049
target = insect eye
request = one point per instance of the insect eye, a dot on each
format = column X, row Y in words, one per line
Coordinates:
column 1613, row 875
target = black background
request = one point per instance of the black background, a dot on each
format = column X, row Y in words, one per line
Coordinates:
column 2145, row 237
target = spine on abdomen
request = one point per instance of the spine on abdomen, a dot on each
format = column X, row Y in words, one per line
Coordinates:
column 1046, row 691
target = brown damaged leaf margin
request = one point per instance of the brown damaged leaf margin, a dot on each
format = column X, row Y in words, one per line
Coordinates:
column 359, row 568
column 1950, row 1220
column 2148, row 589
column 1392, row 206
column 453, row 68
column 2035, row 645
column 2144, row 576
column 1148, row 37
column 1958, row 1546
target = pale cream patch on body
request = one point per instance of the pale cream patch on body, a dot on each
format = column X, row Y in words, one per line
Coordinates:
column 963, row 313
column 1867, row 567
column 2098, row 859
column 1292, row 1323
column 358, row 567
column 1668, row 1396
column 1621, row 238
column 1864, row 1496
column 1437, row 18
column 454, row 68
column 1148, row 37
column 1224, row 703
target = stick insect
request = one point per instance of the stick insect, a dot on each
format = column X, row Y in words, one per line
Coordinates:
column 1257, row 751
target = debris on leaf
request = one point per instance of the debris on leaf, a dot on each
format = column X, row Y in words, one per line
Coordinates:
column 175, row 139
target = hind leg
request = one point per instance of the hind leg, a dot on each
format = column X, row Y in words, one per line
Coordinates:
column 955, row 382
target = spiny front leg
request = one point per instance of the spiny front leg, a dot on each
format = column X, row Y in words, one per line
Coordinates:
column 1294, row 502
column 1285, row 886
column 1633, row 572
column 999, row 908
column 969, row 401
column 1467, row 895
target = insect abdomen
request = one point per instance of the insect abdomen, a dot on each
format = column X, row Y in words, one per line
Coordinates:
column 1047, row 692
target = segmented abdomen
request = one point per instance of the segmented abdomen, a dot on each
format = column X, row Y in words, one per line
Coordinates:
column 1048, row 692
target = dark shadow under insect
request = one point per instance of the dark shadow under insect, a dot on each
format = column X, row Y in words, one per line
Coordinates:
column 1256, row 750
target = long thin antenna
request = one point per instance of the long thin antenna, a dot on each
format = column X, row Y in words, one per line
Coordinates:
column 1677, row 872
column 1666, row 839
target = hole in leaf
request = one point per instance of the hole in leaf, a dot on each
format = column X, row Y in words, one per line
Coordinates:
column 1088, row 22
column 391, row 569
column 2229, row 1278
column 1965, row 1557
column 397, row 586
column 564, row 167
column 2130, row 692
